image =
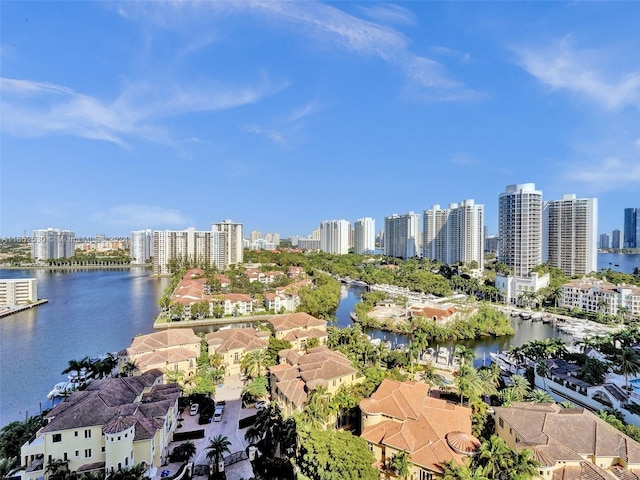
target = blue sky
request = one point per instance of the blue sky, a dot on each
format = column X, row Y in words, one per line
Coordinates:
column 164, row 115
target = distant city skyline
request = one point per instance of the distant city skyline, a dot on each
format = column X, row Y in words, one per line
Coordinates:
column 168, row 115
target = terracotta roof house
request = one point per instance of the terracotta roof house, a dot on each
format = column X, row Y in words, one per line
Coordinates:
column 298, row 328
column 401, row 416
column 175, row 349
column 435, row 314
column 569, row 443
column 298, row 374
column 113, row 424
column 232, row 344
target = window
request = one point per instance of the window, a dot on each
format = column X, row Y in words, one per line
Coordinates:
column 65, row 457
column 501, row 423
column 75, row 434
column 425, row 475
column 87, row 434
column 87, row 453
column 103, row 449
column 77, row 453
column 57, row 437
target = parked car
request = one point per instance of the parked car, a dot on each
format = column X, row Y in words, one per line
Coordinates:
column 217, row 414
column 261, row 404
column 194, row 409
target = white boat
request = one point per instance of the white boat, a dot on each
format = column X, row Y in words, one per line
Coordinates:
column 507, row 363
column 61, row 389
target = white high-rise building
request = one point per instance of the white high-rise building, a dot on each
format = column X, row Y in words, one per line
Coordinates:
column 401, row 235
column 520, row 228
column 51, row 243
column 365, row 235
column 455, row 234
column 520, row 246
column 334, row 236
column 141, row 246
column 570, row 234
column 221, row 246
column 231, row 243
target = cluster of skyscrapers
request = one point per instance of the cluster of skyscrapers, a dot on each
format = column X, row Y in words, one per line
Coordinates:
column 52, row 243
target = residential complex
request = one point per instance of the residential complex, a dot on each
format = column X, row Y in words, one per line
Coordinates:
column 568, row 442
column 171, row 349
column 298, row 374
column 232, row 344
column 334, row 236
column 141, row 246
column 18, row 291
column 401, row 235
column 364, row 235
column 520, row 247
column 601, row 296
column 220, row 247
column 454, row 234
column 631, row 228
column 605, row 240
column 114, row 424
column 52, row 243
column 298, row 329
column 570, row 234
column 402, row 417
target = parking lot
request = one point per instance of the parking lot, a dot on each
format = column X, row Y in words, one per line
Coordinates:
column 230, row 393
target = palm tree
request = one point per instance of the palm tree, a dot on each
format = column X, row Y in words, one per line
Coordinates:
column 217, row 447
column 256, row 389
column 539, row 396
column 188, row 449
column 627, row 363
column 8, row 466
column 520, row 386
column 488, row 381
column 318, row 408
column 555, row 294
column 543, row 370
column 524, row 466
column 430, row 377
column 464, row 354
column 136, row 472
column 469, row 383
column 494, row 457
column 77, row 366
column 400, row 464
column 254, row 362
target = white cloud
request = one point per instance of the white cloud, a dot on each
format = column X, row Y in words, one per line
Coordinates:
column 327, row 24
column 585, row 72
column 389, row 13
column 141, row 216
column 33, row 108
column 273, row 135
column 610, row 164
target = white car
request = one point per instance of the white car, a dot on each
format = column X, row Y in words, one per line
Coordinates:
column 261, row 404
column 217, row 414
column 194, row 409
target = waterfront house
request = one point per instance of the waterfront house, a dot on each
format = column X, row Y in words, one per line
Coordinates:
column 170, row 349
column 298, row 329
column 568, row 442
column 232, row 344
column 402, row 417
column 292, row 381
column 114, row 424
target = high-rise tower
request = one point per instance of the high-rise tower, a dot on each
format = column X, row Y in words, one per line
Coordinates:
column 570, row 234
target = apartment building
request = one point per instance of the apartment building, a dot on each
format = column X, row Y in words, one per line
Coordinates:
column 114, row 424
column 570, row 239
column 18, row 291
column 364, row 233
column 334, row 236
column 232, row 344
column 52, row 243
column 401, row 235
column 454, row 234
column 221, row 246
column 600, row 296
column 141, row 246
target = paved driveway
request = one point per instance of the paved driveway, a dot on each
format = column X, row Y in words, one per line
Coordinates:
column 230, row 393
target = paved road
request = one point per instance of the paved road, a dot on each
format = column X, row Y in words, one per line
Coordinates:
column 230, row 393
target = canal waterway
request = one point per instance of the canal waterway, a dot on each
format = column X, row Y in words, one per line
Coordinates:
column 525, row 331
column 89, row 313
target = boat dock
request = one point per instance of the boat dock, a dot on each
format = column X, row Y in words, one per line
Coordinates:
column 11, row 310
